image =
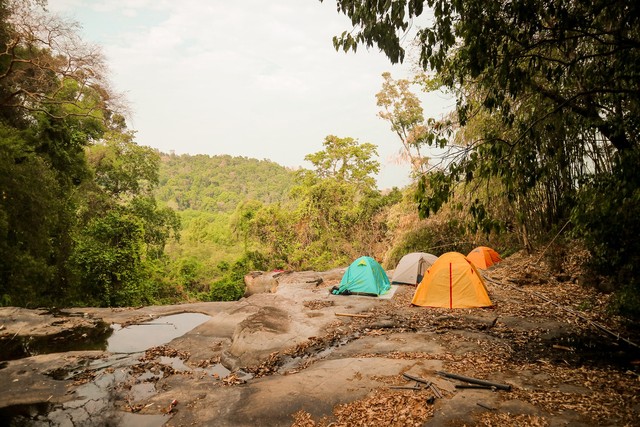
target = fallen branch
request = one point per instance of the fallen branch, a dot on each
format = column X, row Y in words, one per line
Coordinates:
column 485, row 387
column 417, row 379
column 16, row 334
column 561, row 347
column 485, row 406
column 435, row 390
column 475, row 380
column 428, row 384
column 364, row 316
column 406, row 387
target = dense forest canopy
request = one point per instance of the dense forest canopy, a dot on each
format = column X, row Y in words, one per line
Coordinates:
column 219, row 183
column 78, row 221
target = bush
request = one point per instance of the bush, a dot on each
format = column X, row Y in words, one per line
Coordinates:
column 231, row 287
column 226, row 289
column 607, row 216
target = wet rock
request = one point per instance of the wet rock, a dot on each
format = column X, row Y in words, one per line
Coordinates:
column 27, row 333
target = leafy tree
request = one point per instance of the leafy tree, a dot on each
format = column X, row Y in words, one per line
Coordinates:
column 43, row 62
column 606, row 215
column 31, row 204
column 403, row 110
column 122, row 228
column 53, row 102
column 160, row 224
column 122, row 168
column 274, row 227
column 78, row 221
column 189, row 274
column 534, row 65
column 241, row 220
column 231, row 287
column 109, row 257
column 334, row 216
column 549, row 92
column 581, row 57
column 346, row 160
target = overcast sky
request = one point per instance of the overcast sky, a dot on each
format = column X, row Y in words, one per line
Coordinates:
column 250, row 78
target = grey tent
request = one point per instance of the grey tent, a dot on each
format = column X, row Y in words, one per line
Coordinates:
column 412, row 267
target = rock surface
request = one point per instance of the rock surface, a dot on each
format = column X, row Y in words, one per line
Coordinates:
column 293, row 354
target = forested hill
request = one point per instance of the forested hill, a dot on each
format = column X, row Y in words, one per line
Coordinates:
column 218, row 183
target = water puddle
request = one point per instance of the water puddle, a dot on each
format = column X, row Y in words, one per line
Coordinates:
column 218, row 371
column 78, row 339
column 142, row 336
column 103, row 337
column 121, row 377
column 313, row 354
column 93, row 404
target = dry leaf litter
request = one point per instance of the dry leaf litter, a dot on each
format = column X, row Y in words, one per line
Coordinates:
column 522, row 333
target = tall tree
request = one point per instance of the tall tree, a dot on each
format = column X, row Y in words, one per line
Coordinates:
column 42, row 58
column 52, row 104
column 346, row 160
column 335, row 217
column 70, row 230
column 121, row 227
column 403, row 110
column 561, row 78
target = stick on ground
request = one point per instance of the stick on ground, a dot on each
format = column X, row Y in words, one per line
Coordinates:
column 475, row 381
column 353, row 315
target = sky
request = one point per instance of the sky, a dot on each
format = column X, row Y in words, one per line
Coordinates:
column 259, row 79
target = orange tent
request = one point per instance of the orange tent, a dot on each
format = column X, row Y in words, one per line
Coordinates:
column 452, row 281
column 483, row 257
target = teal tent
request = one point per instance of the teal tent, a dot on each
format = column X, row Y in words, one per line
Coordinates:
column 363, row 277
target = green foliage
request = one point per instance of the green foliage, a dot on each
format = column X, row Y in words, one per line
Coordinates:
column 160, row 224
column 581, row 57
column 547, row 95
column 189, row 274
column 337, row 215
column 36, row 216
column 215, row 198
column 346, row 160
column 606, row 216
column 160, row 286
column 219, row 183
column 241, row 219
column 273, row 226
column 122, row 168
column 226, row 289
column 444, row 234
column 379, row 22
column 108, row 256
column 231, row 286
